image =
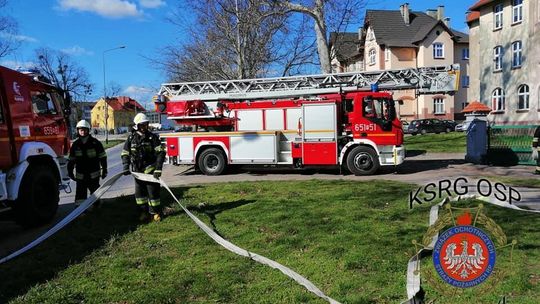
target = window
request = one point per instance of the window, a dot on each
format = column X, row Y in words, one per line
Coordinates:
column 465, row 54
column 497, row 98
column 372, row 54
column 438, row 50
column 438, row 106
column 523, row 97
column 516, row 54
column 465, row 81
column 497, row 58
column 498, row 16
column 463, row 105
column 517, row 11
column 42, row 103
column 387, row 54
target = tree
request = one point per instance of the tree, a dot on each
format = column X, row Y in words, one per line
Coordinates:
column 333, row 15
column 8, row 28
column 234, row 39
column 63, row 72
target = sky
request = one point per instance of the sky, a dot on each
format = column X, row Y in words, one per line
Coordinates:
column 86, row 28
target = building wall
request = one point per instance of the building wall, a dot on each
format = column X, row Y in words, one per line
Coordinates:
column 371, row 44
column 98, row 115
column 461, row 98
column 509, row 79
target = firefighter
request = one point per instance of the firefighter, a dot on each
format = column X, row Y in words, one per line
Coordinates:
column 89, row 159
column 144, row 153
column 536, row 149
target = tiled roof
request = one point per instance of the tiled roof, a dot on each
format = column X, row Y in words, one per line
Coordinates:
column 476, row 106
column 345, row 45
column 124, row 103
column 479, row 4
column 391, row 30
column 472, row 16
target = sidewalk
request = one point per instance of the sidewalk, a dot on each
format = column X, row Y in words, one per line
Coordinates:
column 419, row 169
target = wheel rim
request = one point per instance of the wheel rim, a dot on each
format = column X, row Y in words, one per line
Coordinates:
column 363, row 161
column 211, row 162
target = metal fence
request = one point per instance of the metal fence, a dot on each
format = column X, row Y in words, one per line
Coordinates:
column 510, row 145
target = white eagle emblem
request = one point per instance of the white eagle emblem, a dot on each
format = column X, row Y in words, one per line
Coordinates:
column 464, row 263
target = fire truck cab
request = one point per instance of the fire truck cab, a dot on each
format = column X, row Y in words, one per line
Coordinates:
column 33, row 142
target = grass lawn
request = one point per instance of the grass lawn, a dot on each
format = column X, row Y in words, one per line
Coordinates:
column 351, row 239
column 444, row 142
column 112, row 143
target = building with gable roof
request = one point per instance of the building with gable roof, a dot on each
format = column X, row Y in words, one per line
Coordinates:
column 396, row 39
column 121, row 111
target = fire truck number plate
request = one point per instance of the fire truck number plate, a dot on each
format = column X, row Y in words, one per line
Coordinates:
column 364, row 127
column 50, row 130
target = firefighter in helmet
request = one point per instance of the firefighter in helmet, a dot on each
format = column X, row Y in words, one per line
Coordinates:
column 536, row 149
column 89, row 159
column 144, row 153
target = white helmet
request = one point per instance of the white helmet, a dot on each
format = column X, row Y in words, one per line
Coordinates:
column 140, row 118
column 83, row 124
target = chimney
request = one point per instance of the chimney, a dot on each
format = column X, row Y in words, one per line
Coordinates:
column 447, row 21
column 440, row 12
column 432, row 13
column 404, row 9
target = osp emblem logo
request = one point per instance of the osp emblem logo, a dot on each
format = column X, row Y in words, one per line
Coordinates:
column 464, row 255
column 464, row 244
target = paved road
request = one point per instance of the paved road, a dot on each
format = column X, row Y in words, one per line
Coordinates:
column 418, row 169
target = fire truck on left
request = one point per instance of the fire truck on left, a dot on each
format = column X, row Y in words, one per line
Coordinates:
column 33, row 142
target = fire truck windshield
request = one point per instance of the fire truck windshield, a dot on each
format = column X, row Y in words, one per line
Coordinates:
column 380, row 110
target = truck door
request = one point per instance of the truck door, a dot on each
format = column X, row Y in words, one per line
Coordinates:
column 49, row 126
column 319, row 134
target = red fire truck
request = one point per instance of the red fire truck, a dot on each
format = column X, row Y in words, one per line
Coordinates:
column 33, row 142
column 317, row 120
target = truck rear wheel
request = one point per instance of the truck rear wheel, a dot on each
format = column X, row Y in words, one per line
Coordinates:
column 212, row 161
column 38, row 197
column 363, row 160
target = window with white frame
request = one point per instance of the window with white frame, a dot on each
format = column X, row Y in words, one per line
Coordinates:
column 497, row 98
column 438, row 50
column 498, row 16
column 516, row 54
column 438, row 106
column 465, row 54
column 497, row 58
column 386, row 54
column 517, row 11
column 372, row 53
column 464, row 104
column 523, row 97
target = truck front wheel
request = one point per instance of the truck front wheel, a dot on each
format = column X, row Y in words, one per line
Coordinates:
column 38, row 197
column 212, row 161
column 362, row 160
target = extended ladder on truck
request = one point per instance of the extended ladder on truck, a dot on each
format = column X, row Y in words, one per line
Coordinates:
column 315, row 120
column 427, row 80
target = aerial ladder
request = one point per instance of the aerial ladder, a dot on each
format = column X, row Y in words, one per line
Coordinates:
column 197, row 97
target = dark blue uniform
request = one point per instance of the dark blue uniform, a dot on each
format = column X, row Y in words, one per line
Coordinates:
column 144, row 153
column 89, row 160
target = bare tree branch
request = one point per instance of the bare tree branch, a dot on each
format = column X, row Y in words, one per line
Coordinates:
column 233, row 39
column 63, row 72
column 8, row 30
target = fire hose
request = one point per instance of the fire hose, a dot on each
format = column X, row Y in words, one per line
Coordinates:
column 209, row 231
